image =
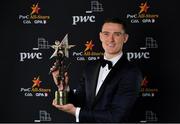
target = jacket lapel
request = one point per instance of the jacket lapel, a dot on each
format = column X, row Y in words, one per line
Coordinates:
column 109, row 77
column 93, row 81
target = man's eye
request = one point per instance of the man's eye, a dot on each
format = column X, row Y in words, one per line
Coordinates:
column 106, row 34
column 118, row 34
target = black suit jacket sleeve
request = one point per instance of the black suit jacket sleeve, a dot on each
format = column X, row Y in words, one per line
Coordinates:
column 77, row 96
column 123, row 99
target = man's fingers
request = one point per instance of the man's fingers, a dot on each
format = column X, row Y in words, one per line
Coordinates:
column 54, row 103
column 53, row 68
column 57, row 106
column 69, row 108
column 65, row 74
column 55, row 64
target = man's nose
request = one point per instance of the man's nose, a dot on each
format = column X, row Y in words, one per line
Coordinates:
column 111, row 37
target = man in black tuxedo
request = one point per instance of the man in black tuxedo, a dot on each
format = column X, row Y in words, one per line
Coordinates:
column 110, row 86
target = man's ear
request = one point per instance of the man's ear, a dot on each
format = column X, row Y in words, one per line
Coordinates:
column 100, row 36
column 126, row 38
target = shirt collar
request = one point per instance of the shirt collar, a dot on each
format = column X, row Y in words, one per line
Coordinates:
column 114, row 59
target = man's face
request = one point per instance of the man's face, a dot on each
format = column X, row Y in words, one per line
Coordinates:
column 113, row 37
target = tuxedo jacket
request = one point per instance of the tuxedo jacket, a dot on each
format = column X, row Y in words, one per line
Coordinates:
column 115, row 97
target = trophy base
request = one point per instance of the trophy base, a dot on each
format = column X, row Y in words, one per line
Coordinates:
column 61, row 97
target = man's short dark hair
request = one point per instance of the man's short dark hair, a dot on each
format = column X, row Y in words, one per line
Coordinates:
column 115, row 20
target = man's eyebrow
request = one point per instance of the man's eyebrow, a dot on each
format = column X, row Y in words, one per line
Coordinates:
column 117, row 32
column 121, row 32
column 113, row 32
column 105, row 31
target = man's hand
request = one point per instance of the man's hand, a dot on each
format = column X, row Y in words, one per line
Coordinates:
column 69, row 108
column 55, row 74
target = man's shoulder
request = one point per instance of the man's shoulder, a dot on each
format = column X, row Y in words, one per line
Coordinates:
column 91, row 65
column 92, row 62
column 127, row 66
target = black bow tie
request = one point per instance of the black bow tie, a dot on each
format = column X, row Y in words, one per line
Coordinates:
column 104, row 62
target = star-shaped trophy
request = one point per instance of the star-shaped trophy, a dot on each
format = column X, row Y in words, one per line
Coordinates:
column 61, row 54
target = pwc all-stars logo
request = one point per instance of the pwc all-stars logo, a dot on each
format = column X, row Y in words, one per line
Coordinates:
column 36, row 82
column 34, row 16
column 146, row 89
column 88, row 53
column 143, row 15
column 35, row 9
column 143, row 8
column 37, row 89
column 89, row 45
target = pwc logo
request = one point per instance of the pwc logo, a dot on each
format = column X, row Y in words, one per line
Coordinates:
column 144, row 52
column 30, row 56
column 96, row 6
column 35, row 54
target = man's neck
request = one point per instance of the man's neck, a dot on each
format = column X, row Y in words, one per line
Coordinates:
column 110, row 56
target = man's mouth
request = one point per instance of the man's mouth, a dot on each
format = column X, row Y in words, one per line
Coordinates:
column 111, row 45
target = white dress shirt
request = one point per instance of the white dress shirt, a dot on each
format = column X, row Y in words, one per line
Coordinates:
column 104, row 71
